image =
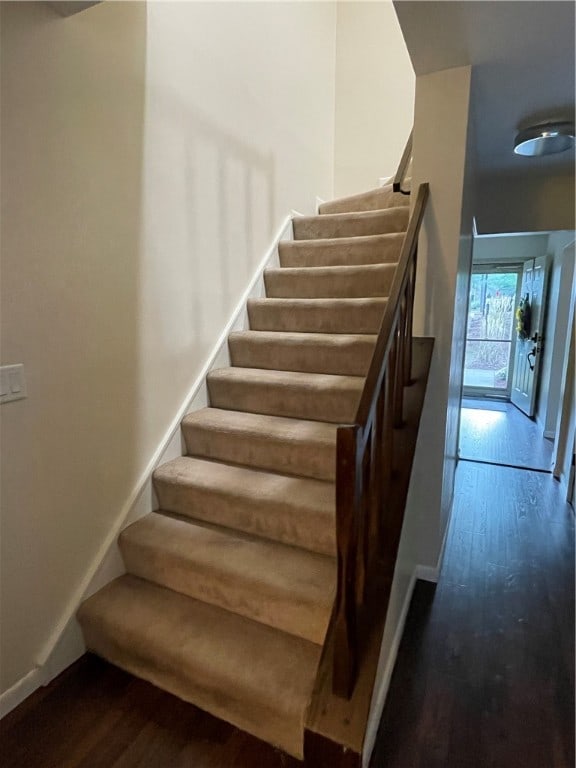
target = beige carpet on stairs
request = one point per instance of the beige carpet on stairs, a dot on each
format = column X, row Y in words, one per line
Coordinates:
column 231, row 582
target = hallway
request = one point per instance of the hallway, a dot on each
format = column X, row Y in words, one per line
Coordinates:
column 485, row 674
column 498, row 433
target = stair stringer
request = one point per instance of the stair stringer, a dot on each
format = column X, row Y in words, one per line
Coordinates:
column 65, row 644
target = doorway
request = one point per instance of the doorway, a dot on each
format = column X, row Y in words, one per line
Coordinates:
column 501, row 354
column 490, row 337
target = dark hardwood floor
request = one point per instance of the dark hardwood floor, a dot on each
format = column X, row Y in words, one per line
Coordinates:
column 484, row 679
column 485, row 674
column 499, row 433
column 96, row 716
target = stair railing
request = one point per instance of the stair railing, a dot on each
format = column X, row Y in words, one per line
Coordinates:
column 405, row 161
column 367, row 528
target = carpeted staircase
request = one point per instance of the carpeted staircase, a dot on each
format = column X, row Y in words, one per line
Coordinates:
column 230, row 584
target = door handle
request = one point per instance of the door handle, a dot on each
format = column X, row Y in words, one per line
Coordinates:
column 532, row 354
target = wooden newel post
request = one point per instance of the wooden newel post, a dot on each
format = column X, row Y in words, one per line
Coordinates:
column 347, row 510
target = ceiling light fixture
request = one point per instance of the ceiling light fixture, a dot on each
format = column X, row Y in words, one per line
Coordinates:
column 545, row 139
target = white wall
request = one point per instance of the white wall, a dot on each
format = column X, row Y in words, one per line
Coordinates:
column 148, row 153
column 533, row 200
column 565, row 444
column 556, row 331
column 374, row 95
column 509, row 248
column 440, row 140
column 444, row 256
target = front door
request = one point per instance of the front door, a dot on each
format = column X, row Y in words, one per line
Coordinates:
column 529, row 351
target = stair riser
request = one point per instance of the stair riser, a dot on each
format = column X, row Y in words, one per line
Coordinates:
column 256, row 600
column 375, row 199
column 316, row 460
column 321, row 318
column 332, row 254
column 313, row 227
column 352, row 358
column 353, row 283
column 306, row 527
column 335, row 404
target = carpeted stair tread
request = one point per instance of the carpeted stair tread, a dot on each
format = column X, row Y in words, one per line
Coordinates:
column 317, row 315
column 274, row 443
column 299, row 511
column 281, row 586
column 366, row 280
column 374, row 199
column 316, row 396
column 344, row 251
column 255, row 677
column 331, row 225
column 347, row 354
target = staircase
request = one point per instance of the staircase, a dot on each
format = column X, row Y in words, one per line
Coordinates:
column 230, row 585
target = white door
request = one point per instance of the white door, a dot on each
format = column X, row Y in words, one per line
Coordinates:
column 529, row 351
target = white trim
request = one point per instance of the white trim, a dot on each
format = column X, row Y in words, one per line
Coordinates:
column 319, row 202
column 425, row 573
column 379, row 696
column 10, row 699
column 438, row 569
column 141, row 500
column 549, row 434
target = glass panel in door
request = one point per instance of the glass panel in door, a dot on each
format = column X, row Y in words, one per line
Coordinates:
column 490, row 331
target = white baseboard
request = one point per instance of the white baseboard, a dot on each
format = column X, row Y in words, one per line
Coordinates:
column 379, row 696
column 21, row 690
column 319, row 202
column 426, row 573
column 64, row 644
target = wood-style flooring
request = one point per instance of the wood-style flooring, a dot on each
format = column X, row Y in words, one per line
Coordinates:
column 484, row 678
column 497, row 432
column 485, row 673
column 96, row 716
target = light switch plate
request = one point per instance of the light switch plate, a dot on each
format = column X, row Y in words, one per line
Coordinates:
column 12, row 383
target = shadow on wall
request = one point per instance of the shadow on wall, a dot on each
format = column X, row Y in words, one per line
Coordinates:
column 208, row 213
column 130, row 225
column 208, row 208
column 72, row 138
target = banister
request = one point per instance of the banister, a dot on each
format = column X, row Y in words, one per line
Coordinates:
column 384, row 339
column 364, row 463
column 403, row 166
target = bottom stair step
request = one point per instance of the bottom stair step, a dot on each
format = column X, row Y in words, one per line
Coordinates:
column 257, row 678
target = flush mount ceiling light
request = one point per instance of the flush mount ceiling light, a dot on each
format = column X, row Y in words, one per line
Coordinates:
column 546, row 139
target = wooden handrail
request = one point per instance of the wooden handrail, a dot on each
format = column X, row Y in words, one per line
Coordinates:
column 384, row 339
column 401, row 172
column 364, row 462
